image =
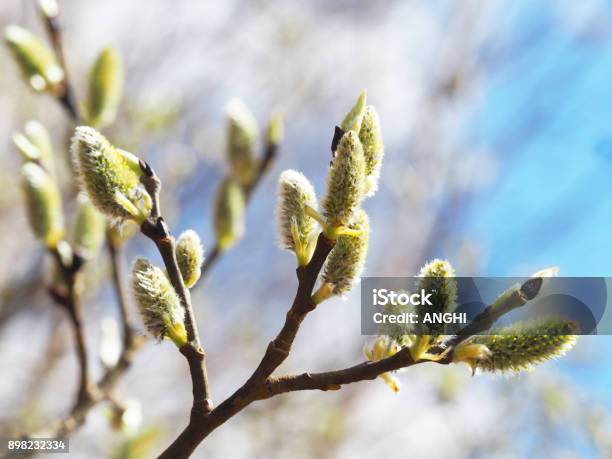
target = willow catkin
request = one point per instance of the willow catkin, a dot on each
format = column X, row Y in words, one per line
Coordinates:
column 159, row 305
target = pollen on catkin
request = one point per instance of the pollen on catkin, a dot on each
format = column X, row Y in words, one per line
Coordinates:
column 36, row 60
column 89, row 228
column 437, row 278
column 346, row 261
column 521, row 346
column 345, row 181
column 373, row 149
column 296, row 229
column 43, row 204
column 159, row 305
column 190, row 256
column 242, row 135
column 110, row 176
column 229, row 213
column 105, row 88
column 352, row 120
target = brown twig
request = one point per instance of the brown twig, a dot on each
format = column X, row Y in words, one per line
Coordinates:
column 155, row 228
column 66, row 297
column 255, row 388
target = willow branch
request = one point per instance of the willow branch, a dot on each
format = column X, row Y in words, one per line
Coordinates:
column 334, row 380
column 265, row 163
column 65, row 93
column 257, row 387
column 67, row 298
column 485, row 319
column 155, row 228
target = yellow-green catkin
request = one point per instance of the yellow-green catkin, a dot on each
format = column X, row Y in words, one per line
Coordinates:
column 110, row 176
column 159, row 305
column 43, row 204
column 347, row 259
column 105, row 88
column 380, row 348
column 190, row 256
column 437, row 278
column 297, row 230
column 521, row 346
column 89, row 228
column 36, row 60
column 373, row 149
column 242, row 135
column 352, row 120
column 34, row 144
column 229, row 212
column 275, row 131
column 345, row 181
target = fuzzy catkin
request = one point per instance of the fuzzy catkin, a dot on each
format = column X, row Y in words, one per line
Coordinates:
column 229, row 213
column 520, row 346
column 437, row 278
column 43, row 204
column 352, row 120
column 347, row 259
column 105, row 88
column 373, row 149
column 190, row 256
column 242, row 135
column 295, row 192
column 37, row 62
column 159, row 305
column 110, row 176
column 89, row 228
column 345, row 181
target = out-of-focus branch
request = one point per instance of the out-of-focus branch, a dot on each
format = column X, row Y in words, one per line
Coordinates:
column 271, row 151
column 65, row 296
column 54, row 27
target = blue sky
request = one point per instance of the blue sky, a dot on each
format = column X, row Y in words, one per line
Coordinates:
column 550, row 204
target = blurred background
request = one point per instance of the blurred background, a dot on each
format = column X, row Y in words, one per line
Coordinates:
column 498, row 134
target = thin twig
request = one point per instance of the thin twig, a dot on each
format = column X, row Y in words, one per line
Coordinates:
column 155, row 228
column 65, row 93
column 255, row 388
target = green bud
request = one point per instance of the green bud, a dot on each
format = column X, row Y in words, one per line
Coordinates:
column 105, row 88
column 437, row 277
column 297, row 230
column 276, row 131
column 345, row 181
column 352, row 120
column 347, row 259
column 35, row 145
column 229, row 213
column 373, row 149
column 48, row 8
column 43, row 203
column 89, row 228
column 110, row 176
column 159, row 305
column 38, row 63
column 190, row 256
column 520, row 346
column 242, row 134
